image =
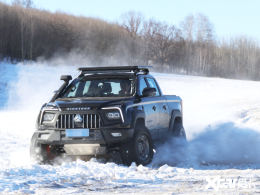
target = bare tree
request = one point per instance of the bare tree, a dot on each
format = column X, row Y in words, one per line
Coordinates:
column 188, row 28
column 197, row 28
column 161, row 43
column 132, row 22
column 204, row 28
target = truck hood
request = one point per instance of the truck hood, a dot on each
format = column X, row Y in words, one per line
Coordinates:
column 89, row 103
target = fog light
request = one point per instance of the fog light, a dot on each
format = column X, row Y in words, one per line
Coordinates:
column 116, row 134
column 45, row 136
column 37, row 150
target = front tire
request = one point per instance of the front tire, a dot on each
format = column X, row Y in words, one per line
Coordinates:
column 143, row 147
column 40, row 153
column 139, row 149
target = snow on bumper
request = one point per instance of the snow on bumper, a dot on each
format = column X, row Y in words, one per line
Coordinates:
column 84, row 149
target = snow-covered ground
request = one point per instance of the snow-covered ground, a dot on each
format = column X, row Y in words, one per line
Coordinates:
column 222, row 156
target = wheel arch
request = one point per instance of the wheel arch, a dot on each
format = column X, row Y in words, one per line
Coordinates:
column 176, row 117
column 140, row 125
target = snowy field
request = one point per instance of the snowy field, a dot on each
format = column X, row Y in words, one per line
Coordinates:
column 222, row 156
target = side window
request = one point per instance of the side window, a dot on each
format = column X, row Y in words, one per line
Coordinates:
column 142, row 85
column 152, row 84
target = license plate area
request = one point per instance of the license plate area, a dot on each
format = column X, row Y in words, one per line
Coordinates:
column 77, row 132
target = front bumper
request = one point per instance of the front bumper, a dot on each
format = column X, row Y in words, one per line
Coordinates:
column 105, row 137
column 99, row 142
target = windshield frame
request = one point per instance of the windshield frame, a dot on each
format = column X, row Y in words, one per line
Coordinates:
column 99, row 77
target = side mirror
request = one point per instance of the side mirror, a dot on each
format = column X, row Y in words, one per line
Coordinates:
column 148, row 92
column 65, row 78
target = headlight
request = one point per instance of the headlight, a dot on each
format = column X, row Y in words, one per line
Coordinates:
column 113, row 115
column 48, row 116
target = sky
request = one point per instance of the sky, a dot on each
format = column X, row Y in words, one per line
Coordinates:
column 230, row 18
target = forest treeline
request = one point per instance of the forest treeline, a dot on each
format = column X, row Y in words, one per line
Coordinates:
column 192, row 47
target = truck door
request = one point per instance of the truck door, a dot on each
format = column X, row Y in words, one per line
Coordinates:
column 150, row 109
column 162, row 109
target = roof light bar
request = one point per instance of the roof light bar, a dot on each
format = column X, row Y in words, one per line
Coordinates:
column 113, row 69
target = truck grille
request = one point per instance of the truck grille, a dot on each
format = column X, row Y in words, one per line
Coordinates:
column 89, row 121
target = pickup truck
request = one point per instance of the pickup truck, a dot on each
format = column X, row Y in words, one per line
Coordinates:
column 107, row 111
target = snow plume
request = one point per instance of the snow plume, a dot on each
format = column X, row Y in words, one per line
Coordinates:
column 224, row 144
column 76, row 57
column 29, row 86
column 35, row 84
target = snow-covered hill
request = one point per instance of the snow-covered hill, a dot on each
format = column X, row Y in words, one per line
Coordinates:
column 221, row 118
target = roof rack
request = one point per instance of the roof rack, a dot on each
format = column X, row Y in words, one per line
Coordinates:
column 114, row 69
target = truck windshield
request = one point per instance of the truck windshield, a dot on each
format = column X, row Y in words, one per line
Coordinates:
column 100, row 87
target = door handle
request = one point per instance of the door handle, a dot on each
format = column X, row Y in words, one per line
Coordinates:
column 164, row 107
column 154, row 108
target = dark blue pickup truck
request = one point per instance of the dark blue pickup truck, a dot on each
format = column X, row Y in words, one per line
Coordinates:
column 107, row 110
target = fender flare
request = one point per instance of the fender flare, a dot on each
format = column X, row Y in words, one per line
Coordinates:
column 137, row 116
column 175, row 114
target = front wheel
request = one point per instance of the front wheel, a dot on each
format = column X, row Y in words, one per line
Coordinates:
column 139, row 149
column 40, row 153
column 143, row 147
